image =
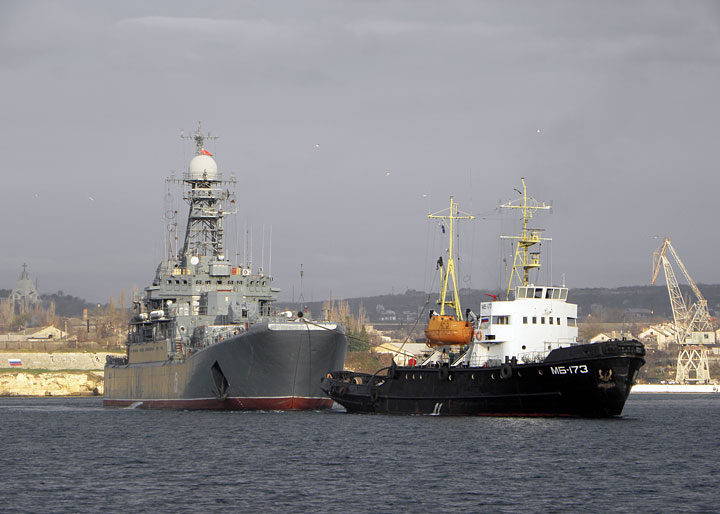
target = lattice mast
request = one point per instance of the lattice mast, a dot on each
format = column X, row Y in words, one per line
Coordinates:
column 693, row 324
column 448, row 273
column 204, row 231
column 525, row 260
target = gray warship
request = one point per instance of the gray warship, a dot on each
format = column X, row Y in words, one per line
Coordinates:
column 206, row 335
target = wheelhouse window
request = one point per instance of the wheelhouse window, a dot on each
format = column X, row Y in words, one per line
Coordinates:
column 524, row 320
column 501, row 320
column 572, row 322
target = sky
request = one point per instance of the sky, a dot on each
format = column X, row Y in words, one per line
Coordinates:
column 346, row 122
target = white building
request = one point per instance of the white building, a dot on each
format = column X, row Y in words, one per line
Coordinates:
column 659, row 336
column 614, row 334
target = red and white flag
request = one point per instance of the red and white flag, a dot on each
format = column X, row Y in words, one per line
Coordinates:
column 205, row 152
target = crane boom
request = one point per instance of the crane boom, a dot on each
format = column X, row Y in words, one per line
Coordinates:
column 689, row 279
column 696, row 318
column 681, row 315
column 693, row 324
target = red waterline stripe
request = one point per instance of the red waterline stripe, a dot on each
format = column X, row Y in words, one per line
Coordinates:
column 286, row 403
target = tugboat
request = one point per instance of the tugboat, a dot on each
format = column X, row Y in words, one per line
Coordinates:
column 523, row 358
column 205, row 334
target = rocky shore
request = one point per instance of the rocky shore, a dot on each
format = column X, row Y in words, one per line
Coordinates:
column 53, row 383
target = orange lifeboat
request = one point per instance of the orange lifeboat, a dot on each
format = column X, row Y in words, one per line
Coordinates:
column 444, row 329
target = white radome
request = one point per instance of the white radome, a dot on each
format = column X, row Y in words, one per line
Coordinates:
column 200, row 165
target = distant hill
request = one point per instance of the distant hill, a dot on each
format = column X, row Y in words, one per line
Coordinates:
column 67, row 305
column 602, row 304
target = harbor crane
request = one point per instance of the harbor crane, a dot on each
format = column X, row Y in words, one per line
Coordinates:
column 693, row 324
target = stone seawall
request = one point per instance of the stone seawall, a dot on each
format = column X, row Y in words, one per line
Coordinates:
column 50, row 384
column 57, row 361
column 56, row 346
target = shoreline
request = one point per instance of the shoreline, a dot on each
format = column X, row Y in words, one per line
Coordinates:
column 25, row 383
column 675, row 388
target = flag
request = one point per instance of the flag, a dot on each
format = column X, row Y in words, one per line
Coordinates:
column 484, row 320
column 15, row 362
column 442, row 227
column 205, row 152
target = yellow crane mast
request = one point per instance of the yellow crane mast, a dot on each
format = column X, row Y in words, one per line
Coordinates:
column 524, row 259
column 449, row 272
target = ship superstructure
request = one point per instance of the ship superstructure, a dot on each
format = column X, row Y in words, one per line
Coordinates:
column 199, row 295
column 206, row 334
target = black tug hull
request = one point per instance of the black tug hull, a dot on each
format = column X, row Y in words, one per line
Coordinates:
column 591, row 380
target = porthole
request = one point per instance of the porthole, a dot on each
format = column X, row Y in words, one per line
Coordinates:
column 539, row 372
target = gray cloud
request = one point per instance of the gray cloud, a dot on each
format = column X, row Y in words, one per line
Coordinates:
column 447, row 97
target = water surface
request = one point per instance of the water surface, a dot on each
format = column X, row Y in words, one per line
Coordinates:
column 73, row 455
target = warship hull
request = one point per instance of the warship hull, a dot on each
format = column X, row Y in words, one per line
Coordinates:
column 591, row 380
column 272, row 366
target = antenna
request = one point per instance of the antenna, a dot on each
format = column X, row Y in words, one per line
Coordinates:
column 301, row 298
column 270, row 257
column 262, row 249
column 171, row 223
column 199, row 138
column 245, row 245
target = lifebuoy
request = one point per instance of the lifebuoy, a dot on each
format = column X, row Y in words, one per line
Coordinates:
column 443, row 373
column 478, row 335
column 374, row 395
column 412, row 362
column 329, row 375
column 506, row 371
